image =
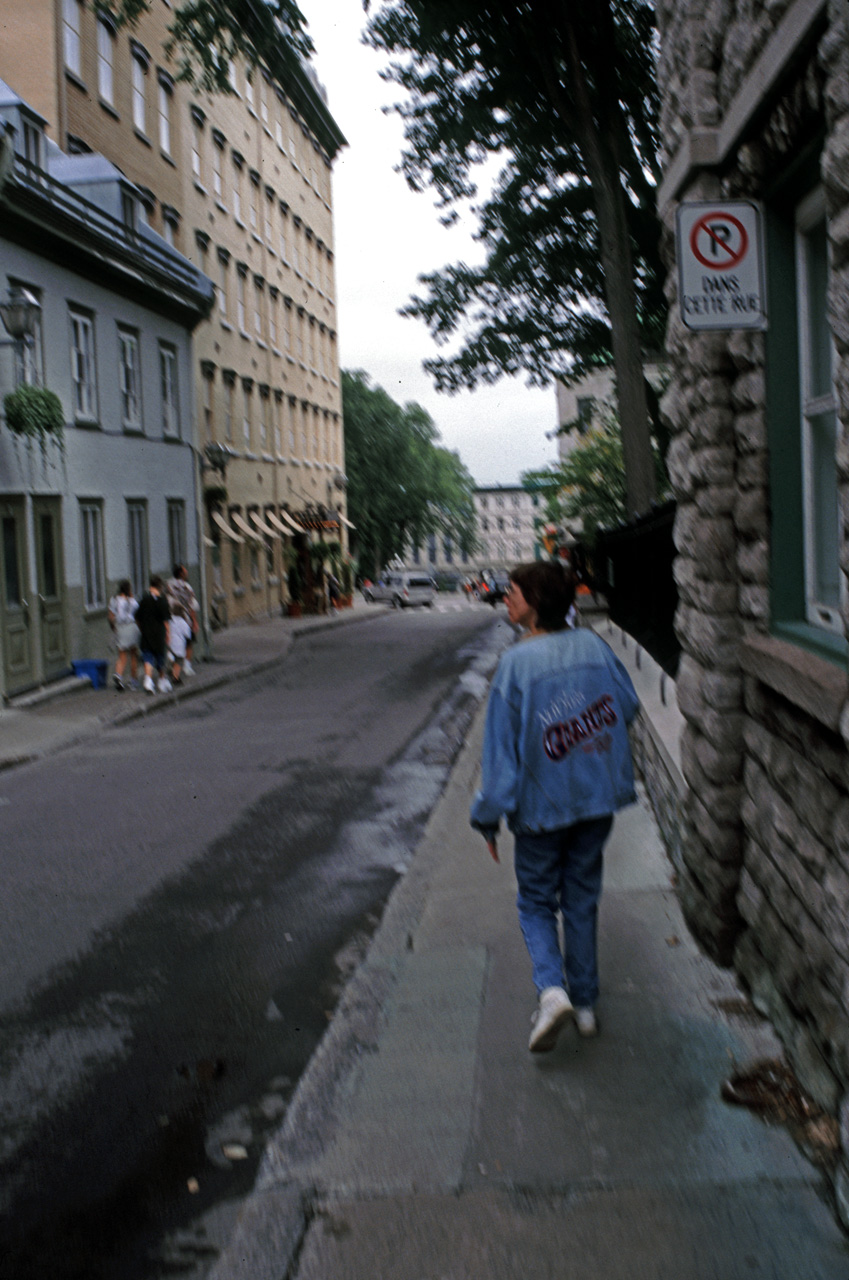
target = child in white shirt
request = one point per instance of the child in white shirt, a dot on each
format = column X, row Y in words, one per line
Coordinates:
column 180, row 636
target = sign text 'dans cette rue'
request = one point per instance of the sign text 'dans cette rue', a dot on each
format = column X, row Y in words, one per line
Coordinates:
column 720, row 265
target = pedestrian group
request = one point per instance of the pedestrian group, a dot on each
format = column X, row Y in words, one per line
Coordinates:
column 161, row 628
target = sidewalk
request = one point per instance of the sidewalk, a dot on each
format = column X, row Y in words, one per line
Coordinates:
column 426, row 1143
column 71, row 710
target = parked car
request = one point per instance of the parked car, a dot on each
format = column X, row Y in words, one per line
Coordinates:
column 493, row 587
column 402, row 589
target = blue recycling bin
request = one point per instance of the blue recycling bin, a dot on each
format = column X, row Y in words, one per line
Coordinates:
column 94, row 668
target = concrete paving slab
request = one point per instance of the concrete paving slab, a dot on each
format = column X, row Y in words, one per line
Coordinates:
column 407, row 1107
column 758, row 1232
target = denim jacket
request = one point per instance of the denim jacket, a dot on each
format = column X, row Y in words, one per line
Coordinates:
column 556, row 747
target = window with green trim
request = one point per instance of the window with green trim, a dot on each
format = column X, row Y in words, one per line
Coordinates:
column 806, row 582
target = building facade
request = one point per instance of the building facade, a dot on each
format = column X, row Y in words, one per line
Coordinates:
column 240, row 183
column 755, row 107
column 112, row 494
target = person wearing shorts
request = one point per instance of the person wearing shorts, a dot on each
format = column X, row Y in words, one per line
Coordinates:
column 153, row 617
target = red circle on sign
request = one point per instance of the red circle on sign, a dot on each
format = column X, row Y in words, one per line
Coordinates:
column 706, row 223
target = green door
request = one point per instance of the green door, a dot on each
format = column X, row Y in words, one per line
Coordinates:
column 15, row 616
column 47, row 521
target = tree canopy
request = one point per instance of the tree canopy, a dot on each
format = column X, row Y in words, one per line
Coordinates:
column 402, row 484
column 587, row 489
column 564, row 96
column 207, row 34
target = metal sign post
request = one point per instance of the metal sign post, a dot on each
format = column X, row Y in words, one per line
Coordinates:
column 721, row 277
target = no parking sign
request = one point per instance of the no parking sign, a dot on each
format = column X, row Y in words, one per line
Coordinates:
column 720, row 266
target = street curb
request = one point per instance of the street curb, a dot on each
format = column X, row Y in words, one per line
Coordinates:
column 280, row 1205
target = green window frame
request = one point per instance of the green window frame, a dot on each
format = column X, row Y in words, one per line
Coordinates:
column 806, row 583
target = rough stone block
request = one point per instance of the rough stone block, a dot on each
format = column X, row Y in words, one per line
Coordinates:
column 753, row 562
column 750, row 431
column 840, row 832
column 720, row 765
column 749, row 391
column 723, row 842
column 841, row 1192
column 750, row 897
column 753, row 470
column 713, row 465
column 713, row 424
column 755, row 604
column 751, row 516
column 813, row 1072
column 717, row 500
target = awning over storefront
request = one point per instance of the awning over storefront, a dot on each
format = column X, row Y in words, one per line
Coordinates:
column 291, row 522
column 346, row 521
column 225, row 527
column 207, row 542
column 275, row 520
column 242, row 524
column 262, row 526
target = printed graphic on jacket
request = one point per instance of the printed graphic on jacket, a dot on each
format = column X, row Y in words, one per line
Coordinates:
column 586, row 730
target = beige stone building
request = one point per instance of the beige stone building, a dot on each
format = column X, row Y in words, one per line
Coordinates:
column 241, row 184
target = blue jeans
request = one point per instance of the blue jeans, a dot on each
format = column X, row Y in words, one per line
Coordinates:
column 561, row 870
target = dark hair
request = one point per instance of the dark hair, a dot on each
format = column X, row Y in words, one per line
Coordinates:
column 156, row 581
column 178, row 571
column 549, row 588
column 124, row 587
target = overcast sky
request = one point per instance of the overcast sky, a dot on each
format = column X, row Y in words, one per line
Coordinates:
column 385, row 237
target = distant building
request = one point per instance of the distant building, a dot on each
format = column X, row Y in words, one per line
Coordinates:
column 115, row 496
column 584, row 405
column 505, row 528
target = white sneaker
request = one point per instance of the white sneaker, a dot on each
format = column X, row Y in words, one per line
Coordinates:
column 555, row 1008
column 188, row 669
column 164, row 685
column 585, row 1021
column 147, row 685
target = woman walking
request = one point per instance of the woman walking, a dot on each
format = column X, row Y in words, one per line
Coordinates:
column 557, row 763
column 122, row 620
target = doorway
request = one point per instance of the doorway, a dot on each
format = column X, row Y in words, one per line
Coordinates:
column 47, row 522
column 15, row 618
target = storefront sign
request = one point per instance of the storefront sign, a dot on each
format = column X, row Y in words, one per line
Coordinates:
column 721, row 274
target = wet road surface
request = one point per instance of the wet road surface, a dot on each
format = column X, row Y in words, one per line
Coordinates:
column 185, row 898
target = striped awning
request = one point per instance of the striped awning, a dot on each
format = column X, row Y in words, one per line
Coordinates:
column 225, row 528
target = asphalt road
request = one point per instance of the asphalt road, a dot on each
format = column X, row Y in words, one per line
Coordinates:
column 184, row 898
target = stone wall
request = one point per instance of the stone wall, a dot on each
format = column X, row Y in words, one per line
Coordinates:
column 764, row 862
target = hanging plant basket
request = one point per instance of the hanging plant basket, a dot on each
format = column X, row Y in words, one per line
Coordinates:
column 35, row 413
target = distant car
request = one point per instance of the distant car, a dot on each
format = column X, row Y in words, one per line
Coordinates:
column 402, row 590
column 493, row 587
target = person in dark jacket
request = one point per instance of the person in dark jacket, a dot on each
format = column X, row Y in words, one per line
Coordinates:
column 557, row 762
column 152, row 617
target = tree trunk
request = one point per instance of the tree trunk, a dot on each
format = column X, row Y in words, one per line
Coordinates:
column 615, row 245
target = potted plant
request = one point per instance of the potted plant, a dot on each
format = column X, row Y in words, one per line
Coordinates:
column 346, row 578
column 36, row 414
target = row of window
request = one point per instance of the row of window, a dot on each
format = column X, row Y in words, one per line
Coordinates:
column 84, row 376
column 92, row 543
column 262, row 313
column 260, row 421
column 207, row 154
column 500, row 523
column 449, row 551
column 295, row 244
column 500, row 501
column 303, row 155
